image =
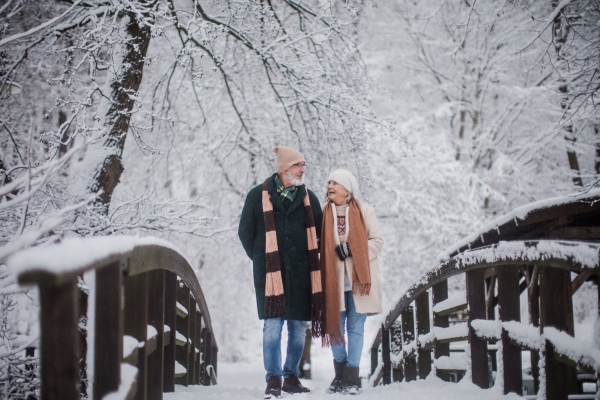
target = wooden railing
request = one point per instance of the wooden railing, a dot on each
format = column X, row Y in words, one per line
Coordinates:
column 406, row 354
column 152, row 328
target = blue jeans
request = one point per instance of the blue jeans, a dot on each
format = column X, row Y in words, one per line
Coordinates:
column 355, row 324
column 272, row 347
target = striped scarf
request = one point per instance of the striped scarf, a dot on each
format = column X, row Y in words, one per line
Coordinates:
column 274, row 297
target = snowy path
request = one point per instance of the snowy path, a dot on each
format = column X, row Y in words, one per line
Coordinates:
column 242, row 381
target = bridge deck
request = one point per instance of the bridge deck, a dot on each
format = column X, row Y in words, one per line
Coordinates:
column 245, row 381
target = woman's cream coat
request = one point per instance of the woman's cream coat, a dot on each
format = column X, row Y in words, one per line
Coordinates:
column 370, row 304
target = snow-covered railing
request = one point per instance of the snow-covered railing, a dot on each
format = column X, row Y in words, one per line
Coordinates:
column 141, row 342
column 545, row 264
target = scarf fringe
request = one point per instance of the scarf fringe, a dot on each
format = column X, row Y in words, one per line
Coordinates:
column 274, row 306
column 317, row 313
column 332, row 339
column 361, row 290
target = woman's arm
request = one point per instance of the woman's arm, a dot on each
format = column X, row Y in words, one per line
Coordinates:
column 373, row 233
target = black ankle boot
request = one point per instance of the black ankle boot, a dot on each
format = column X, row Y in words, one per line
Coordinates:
column 338, row 382
column 351, row 380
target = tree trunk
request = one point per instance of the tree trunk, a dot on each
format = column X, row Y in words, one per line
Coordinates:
column 560, row 33
column 107, row 171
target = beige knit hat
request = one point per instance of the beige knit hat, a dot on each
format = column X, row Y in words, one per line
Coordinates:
column 287, row 157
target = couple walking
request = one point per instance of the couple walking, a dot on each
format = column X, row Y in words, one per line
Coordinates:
column 311, row 265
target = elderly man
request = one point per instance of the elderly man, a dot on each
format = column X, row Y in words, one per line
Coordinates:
column 278, row 228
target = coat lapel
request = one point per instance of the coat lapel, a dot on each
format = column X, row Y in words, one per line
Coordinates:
column 274, row 196
column 298, row 200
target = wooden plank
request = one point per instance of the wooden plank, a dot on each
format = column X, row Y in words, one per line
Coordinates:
column 136, row 323
column 423, row 327
column 580, row 280
column 477, row 310
column 170, row 321
column 553, row 305
column 510, row 310
column 59, row 347
column 108, row 338
column 385, row 354
column 375, row 352
column 408, row 336
column 439, row 293
column 156, row 318
column 182, row 353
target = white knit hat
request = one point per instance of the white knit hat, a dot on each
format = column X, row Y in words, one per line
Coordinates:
column 346, row 179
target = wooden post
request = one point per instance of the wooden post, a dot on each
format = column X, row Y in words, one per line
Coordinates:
column 206, row 354
column 396, row 349
column 423, row 327
column 192, row 348
column 305, row 367
column 198, row 335
column 510, row 310
column 59, row 345
column 136, row 323
column 439, row 293
column 108, row 338
column 385, row 353
column 477, row 310
column 408, row 336
column 156, row 318
column 553, row 312
column 533, row 299
column 170, row 318
column 182, row 353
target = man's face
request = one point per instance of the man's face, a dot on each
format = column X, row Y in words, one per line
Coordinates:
column 295, row 174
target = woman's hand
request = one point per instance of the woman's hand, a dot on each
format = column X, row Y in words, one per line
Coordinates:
column 343, row 251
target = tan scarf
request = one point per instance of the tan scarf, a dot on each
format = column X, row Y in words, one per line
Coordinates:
column 361, row 273
column 274, row 297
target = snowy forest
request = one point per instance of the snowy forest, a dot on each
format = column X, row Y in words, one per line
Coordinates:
column 156, row 117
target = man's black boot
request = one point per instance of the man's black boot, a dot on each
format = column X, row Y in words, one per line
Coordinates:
column 291, row 384
column 273, row 388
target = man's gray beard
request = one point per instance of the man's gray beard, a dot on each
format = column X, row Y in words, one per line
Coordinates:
column 293, row 180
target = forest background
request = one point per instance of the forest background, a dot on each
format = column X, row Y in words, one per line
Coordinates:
column 450, row 113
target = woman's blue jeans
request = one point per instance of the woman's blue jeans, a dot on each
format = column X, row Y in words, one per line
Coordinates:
column 272, row 347
column 354, row 323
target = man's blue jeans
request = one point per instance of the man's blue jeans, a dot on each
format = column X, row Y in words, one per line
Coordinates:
column 355, row 324
column 272, row 347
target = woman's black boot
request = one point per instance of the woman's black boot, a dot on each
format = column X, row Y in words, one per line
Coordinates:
column 351, row 380
column 338, row 382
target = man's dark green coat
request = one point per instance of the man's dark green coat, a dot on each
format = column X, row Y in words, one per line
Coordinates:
column 292, row 243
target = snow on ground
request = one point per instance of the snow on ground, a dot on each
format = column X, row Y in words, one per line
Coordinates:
column 242, row 381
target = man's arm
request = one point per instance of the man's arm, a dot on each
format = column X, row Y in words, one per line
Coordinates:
column 317, row 214
column 247, row 228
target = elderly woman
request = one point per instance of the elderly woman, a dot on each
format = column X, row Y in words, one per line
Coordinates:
column 350, row 243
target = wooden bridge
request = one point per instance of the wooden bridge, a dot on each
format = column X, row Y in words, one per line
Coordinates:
column 535, row 248
column 151, row 325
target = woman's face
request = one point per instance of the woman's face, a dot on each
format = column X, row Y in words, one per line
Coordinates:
column 336, row 193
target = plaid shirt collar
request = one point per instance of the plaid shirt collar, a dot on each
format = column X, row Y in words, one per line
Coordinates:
column 288, row 195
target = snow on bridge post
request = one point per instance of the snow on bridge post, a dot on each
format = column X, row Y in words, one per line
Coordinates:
column 439, row 293
column 476, row 301
column 510, row 310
